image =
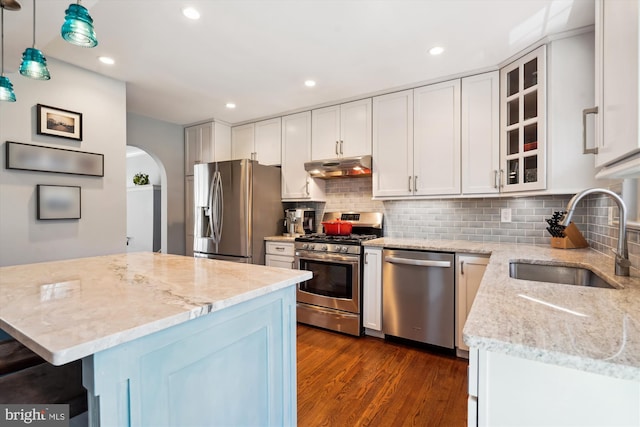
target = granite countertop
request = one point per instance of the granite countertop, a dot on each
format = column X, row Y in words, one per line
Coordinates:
column 280, row 238
column 591, row 329
column 66, row 310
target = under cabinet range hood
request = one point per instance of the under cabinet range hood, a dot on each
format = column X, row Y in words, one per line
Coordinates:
column 340, row 168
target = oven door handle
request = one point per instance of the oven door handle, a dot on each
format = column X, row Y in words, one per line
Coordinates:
column 322, row 256
column 417, row 262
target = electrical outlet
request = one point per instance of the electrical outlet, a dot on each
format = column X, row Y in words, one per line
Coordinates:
column 505, row 215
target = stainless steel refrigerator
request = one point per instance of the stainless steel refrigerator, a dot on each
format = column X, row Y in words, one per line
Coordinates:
column 237, row 204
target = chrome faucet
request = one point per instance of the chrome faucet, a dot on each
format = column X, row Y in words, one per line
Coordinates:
column 622, row 253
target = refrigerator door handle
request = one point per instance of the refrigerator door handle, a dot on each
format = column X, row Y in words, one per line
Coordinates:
column 209, row 208
column 216, row 207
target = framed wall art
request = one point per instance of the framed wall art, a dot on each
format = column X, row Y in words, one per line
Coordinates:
column 58, row 202
column 57, row 160
column 54, row 121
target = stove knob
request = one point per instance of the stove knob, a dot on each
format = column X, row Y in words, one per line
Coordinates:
column 305, row 246
column 344, row 249
column 323, row 248
column 311, row 247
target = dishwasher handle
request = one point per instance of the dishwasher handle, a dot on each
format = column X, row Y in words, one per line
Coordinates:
column 417, row 262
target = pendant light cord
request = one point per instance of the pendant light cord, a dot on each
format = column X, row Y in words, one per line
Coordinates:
column 34, row 24
column 2, row 41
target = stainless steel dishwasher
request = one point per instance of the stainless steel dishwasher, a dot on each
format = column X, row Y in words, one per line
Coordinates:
column 418, row 297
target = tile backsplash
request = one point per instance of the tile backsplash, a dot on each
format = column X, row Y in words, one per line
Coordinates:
column 477, row 219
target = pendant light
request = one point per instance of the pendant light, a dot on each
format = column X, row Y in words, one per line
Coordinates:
column 6, row 88
column 34, row 64
column 78, row 26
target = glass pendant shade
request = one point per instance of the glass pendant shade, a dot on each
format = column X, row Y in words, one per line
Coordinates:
column 34, row 65
column 78, row 27
column 6, row 90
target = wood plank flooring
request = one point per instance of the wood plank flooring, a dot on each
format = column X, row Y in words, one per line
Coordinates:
column 366, row 381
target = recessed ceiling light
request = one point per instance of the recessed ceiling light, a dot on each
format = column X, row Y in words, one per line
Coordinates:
column 231, row 105
column 309, row 83
column 191, row 13
column 436, row 50
column 106, row 60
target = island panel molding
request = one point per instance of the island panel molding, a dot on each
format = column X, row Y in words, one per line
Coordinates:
column 58, row 202
column 58, row 122
column 39, row 158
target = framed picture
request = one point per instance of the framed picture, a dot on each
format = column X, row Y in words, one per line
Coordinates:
column 58, row 122
column 58, row 202
column 57, row 160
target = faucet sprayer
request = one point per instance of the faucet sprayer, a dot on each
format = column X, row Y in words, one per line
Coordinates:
column 622, row 262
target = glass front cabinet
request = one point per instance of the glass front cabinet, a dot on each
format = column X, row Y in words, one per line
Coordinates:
column 522, row 127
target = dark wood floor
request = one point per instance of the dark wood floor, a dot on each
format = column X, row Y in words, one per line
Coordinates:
column 366, row 381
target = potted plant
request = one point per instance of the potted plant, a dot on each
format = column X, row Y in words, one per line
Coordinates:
column 141, row 178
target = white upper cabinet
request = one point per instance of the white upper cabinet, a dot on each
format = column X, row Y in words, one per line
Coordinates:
column 341, row 130
column 617, row 80
column 523, row 123
column 268, row 134
column 296, row 150
column 480, row 138
column 436, row 139
column 393, row 144
column 242, row 141
column 205, row 143
column 416, row 142
column 258, row 141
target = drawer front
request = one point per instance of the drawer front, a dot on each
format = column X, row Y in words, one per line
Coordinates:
column 279, row 248
column 279, row 261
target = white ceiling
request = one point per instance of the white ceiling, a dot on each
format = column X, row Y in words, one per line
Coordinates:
column 258, row 53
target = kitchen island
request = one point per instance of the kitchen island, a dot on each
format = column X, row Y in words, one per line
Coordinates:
column 163, row 339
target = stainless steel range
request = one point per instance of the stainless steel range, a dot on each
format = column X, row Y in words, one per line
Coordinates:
column 332, row 299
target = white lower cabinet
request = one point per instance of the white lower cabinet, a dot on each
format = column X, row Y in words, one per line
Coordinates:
column 513, row 391
column 372, row 290
column 470, row 269
column 189, row 220
column 279, row 254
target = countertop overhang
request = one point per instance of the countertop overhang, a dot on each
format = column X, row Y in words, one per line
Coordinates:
column 66, row 310
column 591, row 329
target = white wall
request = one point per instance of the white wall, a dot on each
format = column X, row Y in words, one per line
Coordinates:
column 165, row 143
column 102, row 228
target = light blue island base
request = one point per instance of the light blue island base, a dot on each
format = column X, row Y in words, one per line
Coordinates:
column 232, row 367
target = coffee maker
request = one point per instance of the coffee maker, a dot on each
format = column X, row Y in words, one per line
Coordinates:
column 299, row 221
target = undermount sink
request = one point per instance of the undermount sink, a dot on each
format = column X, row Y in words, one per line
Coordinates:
column 557, row 274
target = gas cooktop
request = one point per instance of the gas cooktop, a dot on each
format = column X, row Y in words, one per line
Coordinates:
column 353, row 239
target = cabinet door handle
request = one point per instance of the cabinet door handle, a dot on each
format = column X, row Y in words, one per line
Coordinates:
column 501, row 175
column 366, row 254
column 337, row 152
column 341, row 142
column 409, row 184
column 496, row 182
column 462, row 267
column 415, row 183
column 586, row 112
column 279, row 248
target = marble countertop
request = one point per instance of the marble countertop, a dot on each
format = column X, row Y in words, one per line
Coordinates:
column 591, row 329
column 280, row 238
column 66, row 310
